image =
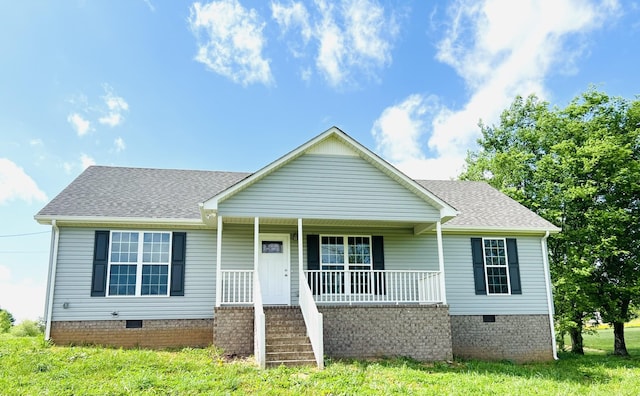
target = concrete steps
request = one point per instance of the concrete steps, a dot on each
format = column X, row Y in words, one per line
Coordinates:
column 286, row 337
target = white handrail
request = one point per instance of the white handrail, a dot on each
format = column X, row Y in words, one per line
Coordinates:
column 259, row 330
column 313, row 321
column 367, row 286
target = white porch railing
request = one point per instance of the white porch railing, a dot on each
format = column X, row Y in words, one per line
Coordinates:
column 313, row 321
column 259, row 330
column 375, row 286
column 237, row 287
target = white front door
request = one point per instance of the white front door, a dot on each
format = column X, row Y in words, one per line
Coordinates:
column 273, row 269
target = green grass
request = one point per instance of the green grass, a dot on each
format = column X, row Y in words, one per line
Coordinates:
column 29, row 366
column 602, row 341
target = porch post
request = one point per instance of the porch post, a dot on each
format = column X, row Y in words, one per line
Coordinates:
column 219, row 263
column 256, row 244
column 300, row 263
column 443, row 289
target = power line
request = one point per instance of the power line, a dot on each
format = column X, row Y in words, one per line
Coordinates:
column 20, row 235
column 23, row 251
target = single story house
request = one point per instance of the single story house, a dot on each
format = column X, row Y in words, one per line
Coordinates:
column 327, row 251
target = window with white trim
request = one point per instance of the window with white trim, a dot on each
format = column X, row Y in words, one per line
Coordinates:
column 340, row 253
column 496, row 265
column 139, row 263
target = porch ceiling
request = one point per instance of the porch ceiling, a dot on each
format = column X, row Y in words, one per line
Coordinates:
column 417, row 227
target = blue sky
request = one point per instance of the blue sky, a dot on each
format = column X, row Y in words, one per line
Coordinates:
column 235, row 84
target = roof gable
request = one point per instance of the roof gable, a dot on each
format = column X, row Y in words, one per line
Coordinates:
column 335, row 142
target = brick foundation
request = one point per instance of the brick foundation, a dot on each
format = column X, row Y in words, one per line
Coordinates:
column 419, row 332
column 153, row 334
column 233, row 330
column 520, row 338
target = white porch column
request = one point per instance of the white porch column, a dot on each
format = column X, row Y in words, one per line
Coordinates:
column 300, row 261
column 219, row 262
column 443, row 289
column 256, row 244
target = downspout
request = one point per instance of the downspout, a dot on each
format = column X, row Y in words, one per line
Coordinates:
column 219, row 262
column 51, row 282
column 547, row 281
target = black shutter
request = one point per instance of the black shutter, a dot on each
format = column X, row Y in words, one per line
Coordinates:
column 178, row 256
column 100, row 264
column 377, row 250
column 313, row 262
column 514, row 266
column 478, row 266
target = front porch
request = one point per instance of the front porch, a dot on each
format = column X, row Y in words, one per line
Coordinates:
column 346, row 287
column 336, row 266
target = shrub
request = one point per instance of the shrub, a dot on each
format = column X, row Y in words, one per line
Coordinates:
column 27, row 328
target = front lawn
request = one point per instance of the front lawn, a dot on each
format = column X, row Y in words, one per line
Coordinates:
column 29, row 366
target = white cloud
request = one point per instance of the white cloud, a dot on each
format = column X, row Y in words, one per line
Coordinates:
column 79, row 124
column 16, row 184
column 119, row 143
column 293, row 16
column 86, row 161
column 354, row 37
column 5, row 273
column 501, row 49
column 24, row 298
column 36, row 142
column 399, row 133
column 116, row 106
column 230, row 41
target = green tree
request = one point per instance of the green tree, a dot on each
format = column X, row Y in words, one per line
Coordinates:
column 6, row 321
column 578, row 167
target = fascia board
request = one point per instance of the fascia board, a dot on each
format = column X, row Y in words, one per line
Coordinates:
column 493, row 230
column 47, row 220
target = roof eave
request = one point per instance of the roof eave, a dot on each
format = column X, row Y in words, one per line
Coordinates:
column 119, row 221
column 502, row 230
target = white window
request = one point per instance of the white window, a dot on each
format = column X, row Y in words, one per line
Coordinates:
column 495, row 266
column 139, row 263
column 339, row 254
column 345, row 252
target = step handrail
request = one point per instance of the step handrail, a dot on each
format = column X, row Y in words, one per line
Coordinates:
column 313, row 321
column 259, row 330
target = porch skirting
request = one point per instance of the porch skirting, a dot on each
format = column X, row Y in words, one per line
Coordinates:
column 164, row 333
column 419, row 332
column 233, row 330
column 519, row 338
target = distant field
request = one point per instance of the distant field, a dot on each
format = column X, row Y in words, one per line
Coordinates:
column 602, row 341
column 29, row 366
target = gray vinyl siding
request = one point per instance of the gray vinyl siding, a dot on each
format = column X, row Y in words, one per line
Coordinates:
column 73, row 283
column 402, row 249
column 329, row 187
column 459, row 282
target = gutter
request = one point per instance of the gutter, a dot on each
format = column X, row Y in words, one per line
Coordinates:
column 53, row 263
column 124, row 221
column 547, row 281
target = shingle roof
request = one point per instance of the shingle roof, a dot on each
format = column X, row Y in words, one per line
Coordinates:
column 481, row 205
column 105, row 191
column 119, row 192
